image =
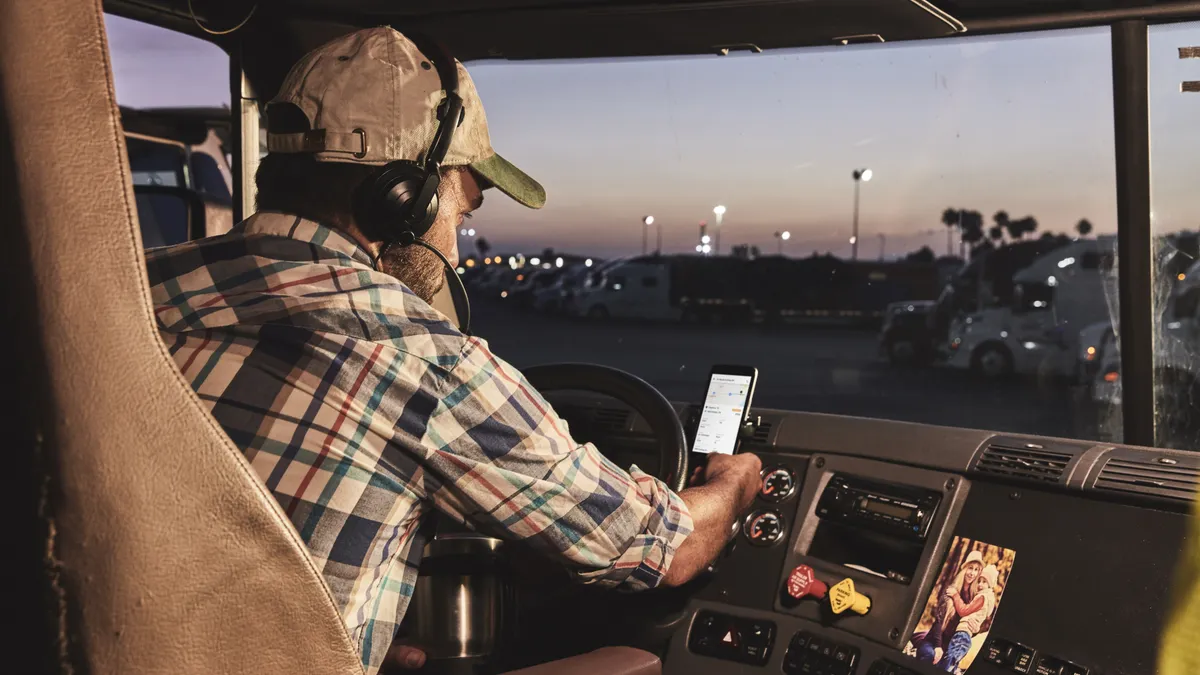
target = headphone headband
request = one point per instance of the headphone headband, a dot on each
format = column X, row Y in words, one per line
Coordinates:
column 450, row 112
column 399, row 202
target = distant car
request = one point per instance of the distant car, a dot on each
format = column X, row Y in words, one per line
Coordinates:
column 556, row 297
column 497, row 284
column 907, row 336
column 1092, row 341
column 478, row 278
column 529, row 283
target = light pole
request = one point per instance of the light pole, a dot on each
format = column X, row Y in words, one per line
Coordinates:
column 646, row 223
column 781, row 237
column 882, row 244
column 860, row 176
column 719, row 212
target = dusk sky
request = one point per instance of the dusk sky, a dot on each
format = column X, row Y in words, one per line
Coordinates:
column 1021, row 123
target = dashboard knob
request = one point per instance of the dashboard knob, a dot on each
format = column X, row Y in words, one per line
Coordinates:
column 803, row 582
column 843, row 597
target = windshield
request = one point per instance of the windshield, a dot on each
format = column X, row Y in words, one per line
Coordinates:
column 768, row 209
column 869, row 176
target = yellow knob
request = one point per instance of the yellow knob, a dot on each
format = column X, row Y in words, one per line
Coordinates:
column 843, row 597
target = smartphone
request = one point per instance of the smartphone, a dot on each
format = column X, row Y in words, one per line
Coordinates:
column 726, row 407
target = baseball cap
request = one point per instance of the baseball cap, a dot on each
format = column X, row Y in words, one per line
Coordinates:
column 371, row 97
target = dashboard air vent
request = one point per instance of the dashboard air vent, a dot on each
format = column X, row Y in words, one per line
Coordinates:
column 1174, row 478
column 1014, row 458
column 762, row 433
column 611, row 419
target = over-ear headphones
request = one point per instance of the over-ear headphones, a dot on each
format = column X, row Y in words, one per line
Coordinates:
column 398, row 203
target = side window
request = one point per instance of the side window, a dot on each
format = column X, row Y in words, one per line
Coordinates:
column 1175, row 165
column 932, row 174
column 167, row 83
column 156, row 161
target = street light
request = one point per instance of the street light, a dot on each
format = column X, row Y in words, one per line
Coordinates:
column 471, row 232
column 860, row 176
column 782, row 237
column 647, row 222
column 719, row 212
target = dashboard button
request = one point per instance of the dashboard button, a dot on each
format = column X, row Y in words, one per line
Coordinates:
column 803, row 582
column 1047, row 665
column 999, row 652
column 843, row 597
column 1022, row 659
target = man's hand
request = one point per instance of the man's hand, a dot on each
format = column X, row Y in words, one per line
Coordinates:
column 404, row 657
column 727, row 488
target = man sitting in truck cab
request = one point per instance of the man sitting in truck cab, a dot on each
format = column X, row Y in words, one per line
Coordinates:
column 308, row 332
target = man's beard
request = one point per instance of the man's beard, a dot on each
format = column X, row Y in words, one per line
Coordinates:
column 416, row 268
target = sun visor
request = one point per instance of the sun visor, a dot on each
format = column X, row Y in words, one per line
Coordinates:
column 567, row 30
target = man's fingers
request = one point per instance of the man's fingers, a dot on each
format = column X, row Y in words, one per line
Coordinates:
column 406, row 656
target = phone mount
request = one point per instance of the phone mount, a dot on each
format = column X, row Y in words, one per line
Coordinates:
column 749, row 427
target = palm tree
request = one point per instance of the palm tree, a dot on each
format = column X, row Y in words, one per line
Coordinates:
column 972, row 227
column 483, row 246
column 1029, row 225
column 1083, row 227
column 950, row 218
column 996, row 232
column 1000, row 218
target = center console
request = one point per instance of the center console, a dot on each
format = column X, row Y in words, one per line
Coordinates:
column 831, row 570
column 878, row 530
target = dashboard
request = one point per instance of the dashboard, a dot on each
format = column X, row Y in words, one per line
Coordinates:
column 888, row 548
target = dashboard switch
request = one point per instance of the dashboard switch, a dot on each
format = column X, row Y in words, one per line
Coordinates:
column 809, row 655
column 1022, row 659
column 732, row 638
column 843, row 597
column 803, row 582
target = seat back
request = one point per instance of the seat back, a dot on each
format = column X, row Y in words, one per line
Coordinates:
column 172, row 557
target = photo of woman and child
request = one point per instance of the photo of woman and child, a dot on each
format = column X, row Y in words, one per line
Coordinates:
column 960, row 609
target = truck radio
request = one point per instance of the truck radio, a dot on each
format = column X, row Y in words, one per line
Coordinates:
column 900, row 511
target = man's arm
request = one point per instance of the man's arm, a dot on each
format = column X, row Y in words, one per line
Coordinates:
column 730, row 484
column 496, row 455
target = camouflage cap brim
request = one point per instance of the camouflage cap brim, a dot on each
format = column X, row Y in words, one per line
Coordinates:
column 506, row 177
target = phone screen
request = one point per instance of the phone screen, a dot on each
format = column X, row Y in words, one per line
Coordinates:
column 723, row 412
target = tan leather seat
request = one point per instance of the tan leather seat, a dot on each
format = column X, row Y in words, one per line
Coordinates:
column 173, row 557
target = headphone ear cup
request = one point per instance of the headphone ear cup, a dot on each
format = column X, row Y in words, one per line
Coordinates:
column 387, row 204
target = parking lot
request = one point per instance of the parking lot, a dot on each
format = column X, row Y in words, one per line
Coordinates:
column 816, row 369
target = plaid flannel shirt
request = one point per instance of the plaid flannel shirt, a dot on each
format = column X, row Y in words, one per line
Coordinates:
column 363, row 409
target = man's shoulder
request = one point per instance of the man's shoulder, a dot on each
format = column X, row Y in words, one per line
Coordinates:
column 255, row 279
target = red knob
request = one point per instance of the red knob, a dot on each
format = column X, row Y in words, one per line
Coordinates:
column 803, row 582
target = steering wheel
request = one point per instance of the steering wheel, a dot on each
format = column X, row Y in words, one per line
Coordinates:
column 633, row 392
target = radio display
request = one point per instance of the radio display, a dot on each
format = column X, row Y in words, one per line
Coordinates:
column 884, row 508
